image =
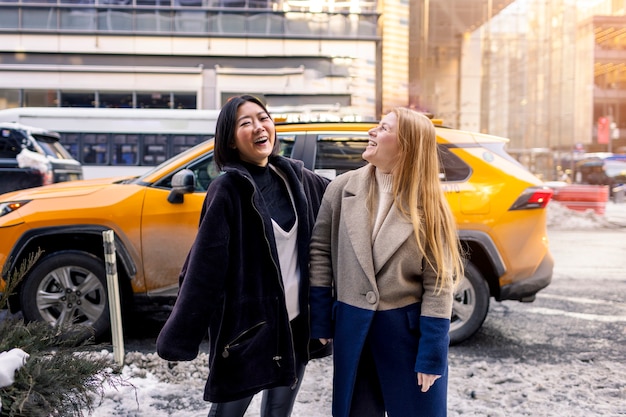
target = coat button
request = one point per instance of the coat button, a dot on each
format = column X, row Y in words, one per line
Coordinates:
column 371, row 297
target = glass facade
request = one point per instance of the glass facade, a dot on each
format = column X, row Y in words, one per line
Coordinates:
column 554, row 80
column 548, row 74
column 261, row 18
column 609, row 83
column 186, row 39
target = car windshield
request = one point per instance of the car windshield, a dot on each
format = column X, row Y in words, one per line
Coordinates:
column 181, row 156
column 51, row 146
column 615, row 168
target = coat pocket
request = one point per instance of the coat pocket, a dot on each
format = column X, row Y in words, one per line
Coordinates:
column 242, row 339
column 413, row 319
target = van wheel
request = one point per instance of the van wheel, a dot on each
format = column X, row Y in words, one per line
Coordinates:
column 68, row 288
column 470, row 306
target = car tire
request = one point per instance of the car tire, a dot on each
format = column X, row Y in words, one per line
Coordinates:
column 470, row 305
column 68, row 288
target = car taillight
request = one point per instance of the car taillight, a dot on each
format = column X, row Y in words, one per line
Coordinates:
column 533, row 198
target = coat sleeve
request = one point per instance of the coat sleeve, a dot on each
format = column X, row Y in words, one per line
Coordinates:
column 201, row 281
column 432, row 357
column 321, row 267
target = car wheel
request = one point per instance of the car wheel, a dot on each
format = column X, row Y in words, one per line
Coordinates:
column 68, row 288
column 470, row 306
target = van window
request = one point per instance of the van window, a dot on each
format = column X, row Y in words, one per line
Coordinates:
column 154, row 149
column 125, row 149
column 95, row 148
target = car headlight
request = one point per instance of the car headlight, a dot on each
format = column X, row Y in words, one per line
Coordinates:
column 11, row 206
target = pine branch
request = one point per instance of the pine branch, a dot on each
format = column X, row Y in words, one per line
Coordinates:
column 15, row 276
column 64, row 375
column 60, row 383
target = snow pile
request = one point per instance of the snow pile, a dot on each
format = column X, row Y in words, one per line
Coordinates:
column 30, row 159
column 10, row 362
column 562, row 218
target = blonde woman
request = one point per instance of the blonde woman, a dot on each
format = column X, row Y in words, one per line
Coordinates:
column 385, row 259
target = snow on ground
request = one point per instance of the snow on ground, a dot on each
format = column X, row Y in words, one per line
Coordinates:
column 489, row 387
column 495, row 387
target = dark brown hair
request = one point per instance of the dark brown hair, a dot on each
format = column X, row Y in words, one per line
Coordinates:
column 225, row 130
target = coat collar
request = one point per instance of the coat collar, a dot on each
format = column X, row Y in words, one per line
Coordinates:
column 393, row 233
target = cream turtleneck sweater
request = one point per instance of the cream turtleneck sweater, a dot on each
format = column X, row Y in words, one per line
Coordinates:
column 385, row 200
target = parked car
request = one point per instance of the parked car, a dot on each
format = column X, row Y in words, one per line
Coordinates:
column 499, row 207
column 30, row 157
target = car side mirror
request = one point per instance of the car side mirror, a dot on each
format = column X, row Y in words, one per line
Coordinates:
column 183, row 182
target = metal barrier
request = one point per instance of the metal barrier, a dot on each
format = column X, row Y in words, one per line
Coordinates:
column 583, row 197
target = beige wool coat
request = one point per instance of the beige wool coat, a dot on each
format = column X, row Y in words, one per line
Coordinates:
column 389, row 274
column 382, row 295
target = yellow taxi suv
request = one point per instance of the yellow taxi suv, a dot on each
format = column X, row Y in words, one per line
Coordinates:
column 500, row 209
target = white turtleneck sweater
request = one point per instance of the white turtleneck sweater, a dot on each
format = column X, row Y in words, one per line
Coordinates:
column 385, row 200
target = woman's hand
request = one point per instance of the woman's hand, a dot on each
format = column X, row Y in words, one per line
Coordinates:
column 425, row 380
column 324, row 341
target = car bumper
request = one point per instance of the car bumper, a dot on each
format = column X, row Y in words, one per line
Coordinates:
column 525, row 290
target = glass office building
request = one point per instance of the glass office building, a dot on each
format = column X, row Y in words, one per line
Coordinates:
column 548, row 74
column 187, row 53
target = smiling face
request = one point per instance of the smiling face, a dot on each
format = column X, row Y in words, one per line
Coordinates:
column 383, row 149
column 254, row 134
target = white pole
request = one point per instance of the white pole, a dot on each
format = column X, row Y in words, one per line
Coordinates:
column 115, row 309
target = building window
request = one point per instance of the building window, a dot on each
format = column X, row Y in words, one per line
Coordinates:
column 78, row 99
column 185, row 101
column 107, row 99
column 156, row 100
column 115, row 100
column 9, row 99
column 40, row 98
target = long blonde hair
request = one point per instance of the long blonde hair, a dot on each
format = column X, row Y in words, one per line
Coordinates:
column 418, row 195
